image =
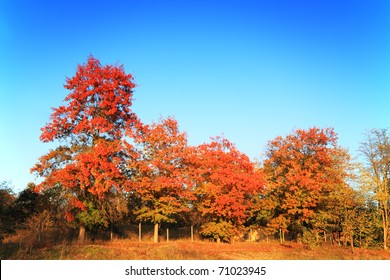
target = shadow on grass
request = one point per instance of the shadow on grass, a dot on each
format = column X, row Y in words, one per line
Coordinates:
column 8, row 251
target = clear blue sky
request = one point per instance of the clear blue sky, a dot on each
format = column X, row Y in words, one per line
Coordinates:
column 251, row 70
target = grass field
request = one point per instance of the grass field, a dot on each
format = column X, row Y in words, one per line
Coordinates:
column 186, row 250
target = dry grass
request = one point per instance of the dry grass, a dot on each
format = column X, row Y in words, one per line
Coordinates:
column 186, row 250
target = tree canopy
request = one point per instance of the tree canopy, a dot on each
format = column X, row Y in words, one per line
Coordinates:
column 91, row 127
column 110, row 168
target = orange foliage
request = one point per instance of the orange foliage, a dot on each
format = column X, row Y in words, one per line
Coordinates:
column 160, row 180
column 91, row 127
column 226, row 181
column 98, row 104
column 105, row 147
column 301, row 169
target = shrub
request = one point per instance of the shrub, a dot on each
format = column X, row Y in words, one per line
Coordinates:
column 218, row 231
column 309, row 239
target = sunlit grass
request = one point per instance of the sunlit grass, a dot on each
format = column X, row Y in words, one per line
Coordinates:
column 187, row 250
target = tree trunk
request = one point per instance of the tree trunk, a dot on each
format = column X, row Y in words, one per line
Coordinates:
column 155, row 237
column 351, row 241
column 167, row 234
column 40, row 232
column 139, row 232
column 81, row 234
column 385, row 225
column 192, row 233
column 280, row 236
column 111, row 231
column 339, row 236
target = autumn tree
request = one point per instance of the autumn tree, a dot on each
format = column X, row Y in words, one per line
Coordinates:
column 339, row 199
column 376, row 172
column 226, row 185
column 7, row 198
column 302, row 169
column 160, row 181
column 337, row 212
column 113, row 208
column 370, row 218
column 89, row 128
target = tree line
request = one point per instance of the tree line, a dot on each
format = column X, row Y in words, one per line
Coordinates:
column 109, row 169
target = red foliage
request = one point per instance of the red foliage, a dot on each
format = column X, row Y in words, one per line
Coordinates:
column 98, row 105
column 227, row 181
column 160, row 180
column 69, row 217
column 91, row 125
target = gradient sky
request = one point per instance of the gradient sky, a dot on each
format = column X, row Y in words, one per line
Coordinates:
column 251, row 70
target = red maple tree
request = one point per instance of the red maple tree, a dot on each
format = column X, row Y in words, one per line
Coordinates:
column 160, row 182
column 227, row 183
column 90, row 127
column 98, row 106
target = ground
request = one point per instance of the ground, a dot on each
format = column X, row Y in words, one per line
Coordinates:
column 187, row 250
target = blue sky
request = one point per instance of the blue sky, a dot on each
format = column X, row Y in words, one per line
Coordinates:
column 251, row 70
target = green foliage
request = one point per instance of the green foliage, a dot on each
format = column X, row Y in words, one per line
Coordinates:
column 218, row 231
column 376, row 174
column 155, row 216
column 368, row 229
column 91, row 216
column 7, row 198
column 309, row 239
column 26, row 204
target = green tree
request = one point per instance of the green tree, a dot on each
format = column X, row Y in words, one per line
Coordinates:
column 7, row 198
